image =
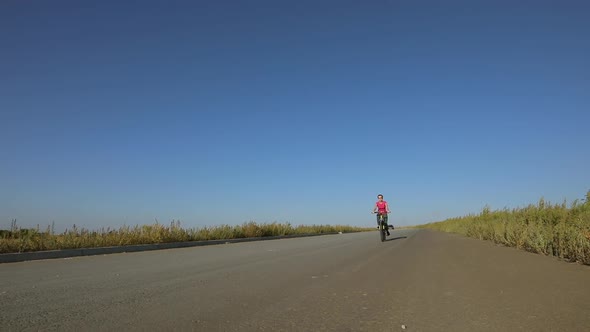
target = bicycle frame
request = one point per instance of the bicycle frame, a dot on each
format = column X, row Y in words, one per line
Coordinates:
column 382, row 227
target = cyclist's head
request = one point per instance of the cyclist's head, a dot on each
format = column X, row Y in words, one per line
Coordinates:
column 380, row 197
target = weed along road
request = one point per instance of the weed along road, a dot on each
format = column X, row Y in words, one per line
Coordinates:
column 424, row 280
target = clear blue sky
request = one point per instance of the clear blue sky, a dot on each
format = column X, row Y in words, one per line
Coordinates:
column 214, row 112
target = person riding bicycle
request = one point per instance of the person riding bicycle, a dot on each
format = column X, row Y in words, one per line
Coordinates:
column 382, row 208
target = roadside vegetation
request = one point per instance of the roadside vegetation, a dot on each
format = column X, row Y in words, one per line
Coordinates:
column 26, row 240
column 550, row 229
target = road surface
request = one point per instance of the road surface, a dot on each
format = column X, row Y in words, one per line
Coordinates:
column 424, row 280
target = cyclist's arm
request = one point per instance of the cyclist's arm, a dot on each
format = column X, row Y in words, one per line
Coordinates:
column 375, row 208
column 387, row 208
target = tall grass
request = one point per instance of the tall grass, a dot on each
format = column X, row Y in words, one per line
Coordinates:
column 24, row 240
column 544, row 228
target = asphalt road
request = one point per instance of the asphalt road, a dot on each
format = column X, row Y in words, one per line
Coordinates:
column 424, row 280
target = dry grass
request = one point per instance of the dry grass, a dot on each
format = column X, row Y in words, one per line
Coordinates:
column 25, row 240
column 545, row 228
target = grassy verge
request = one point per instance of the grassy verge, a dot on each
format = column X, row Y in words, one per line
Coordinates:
column 26, row 240
column 545, row 228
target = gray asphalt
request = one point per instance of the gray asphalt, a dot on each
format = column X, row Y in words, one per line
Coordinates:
column 424, row 280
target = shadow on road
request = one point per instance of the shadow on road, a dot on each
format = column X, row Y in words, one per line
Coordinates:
column 396, row 238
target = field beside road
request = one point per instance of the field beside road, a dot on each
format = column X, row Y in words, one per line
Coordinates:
column 18, row 240
column 550, row 229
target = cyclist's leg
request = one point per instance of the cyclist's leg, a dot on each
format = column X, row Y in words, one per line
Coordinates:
column 385, row 222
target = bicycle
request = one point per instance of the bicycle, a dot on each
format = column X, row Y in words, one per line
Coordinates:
column 382, row 226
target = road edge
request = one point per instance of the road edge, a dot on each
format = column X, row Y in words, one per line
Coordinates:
column 67, row 253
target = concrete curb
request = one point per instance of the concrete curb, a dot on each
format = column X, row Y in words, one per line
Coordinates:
column 66, row 253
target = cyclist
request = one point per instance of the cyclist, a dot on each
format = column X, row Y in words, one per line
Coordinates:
column 381, row 207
